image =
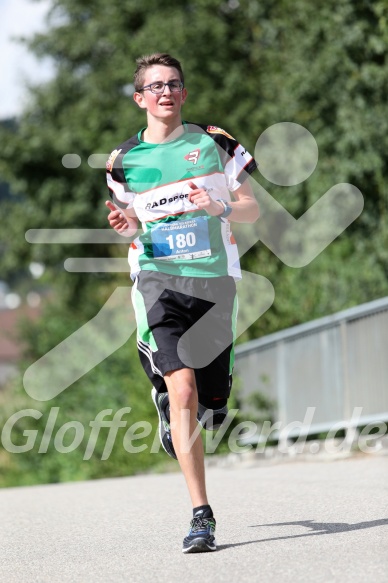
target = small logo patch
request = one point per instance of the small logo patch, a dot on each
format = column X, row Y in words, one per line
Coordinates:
column 193, row 156
column 111, row 160
column 216, row 130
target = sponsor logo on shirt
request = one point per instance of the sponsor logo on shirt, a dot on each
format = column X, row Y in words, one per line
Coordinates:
column 162, row 201
column 197, row 169
column 216, row 130
column 111, row 160
column 193, row 156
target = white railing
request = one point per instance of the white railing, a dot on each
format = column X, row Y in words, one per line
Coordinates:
column 335, row 365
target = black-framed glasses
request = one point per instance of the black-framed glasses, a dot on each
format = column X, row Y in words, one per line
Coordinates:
column 158, row 87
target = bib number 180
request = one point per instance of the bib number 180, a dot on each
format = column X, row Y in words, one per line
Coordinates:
column 184, row 240
column 181, row 240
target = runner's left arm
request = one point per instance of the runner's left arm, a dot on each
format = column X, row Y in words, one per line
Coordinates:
column 245, row 208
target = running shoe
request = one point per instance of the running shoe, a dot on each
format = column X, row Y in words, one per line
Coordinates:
column 211, row 419
column 201, row 536
column 161, row 403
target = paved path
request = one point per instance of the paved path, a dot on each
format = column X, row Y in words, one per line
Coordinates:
column 293, row 522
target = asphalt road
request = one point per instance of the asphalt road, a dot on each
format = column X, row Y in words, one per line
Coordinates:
column 293, row 522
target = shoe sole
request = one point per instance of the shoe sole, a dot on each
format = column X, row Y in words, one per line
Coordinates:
column 154, row 395
column 200, row 545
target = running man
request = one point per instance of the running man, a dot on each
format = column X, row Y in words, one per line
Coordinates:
column 176, row 177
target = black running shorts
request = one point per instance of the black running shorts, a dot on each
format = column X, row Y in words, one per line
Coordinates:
column 186, row 322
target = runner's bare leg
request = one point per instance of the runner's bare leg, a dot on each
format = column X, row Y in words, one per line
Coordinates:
column 183, row 397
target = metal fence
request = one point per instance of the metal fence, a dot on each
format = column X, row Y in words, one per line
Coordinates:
column 337, row 364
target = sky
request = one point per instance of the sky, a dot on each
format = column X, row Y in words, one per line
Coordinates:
column 19, row 18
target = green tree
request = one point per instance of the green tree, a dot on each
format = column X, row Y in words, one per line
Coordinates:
column 248, row 65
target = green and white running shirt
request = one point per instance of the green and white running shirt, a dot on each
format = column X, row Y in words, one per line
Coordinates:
column 153, row 179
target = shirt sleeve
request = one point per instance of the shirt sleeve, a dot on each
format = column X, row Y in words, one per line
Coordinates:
column 237, row 162
column 119, row 190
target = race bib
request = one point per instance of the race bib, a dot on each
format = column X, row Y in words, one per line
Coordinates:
column 181, row 239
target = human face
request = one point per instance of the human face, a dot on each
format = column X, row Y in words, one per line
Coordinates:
column 163, row 106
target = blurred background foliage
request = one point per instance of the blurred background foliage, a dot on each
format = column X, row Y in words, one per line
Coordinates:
column 248, row 65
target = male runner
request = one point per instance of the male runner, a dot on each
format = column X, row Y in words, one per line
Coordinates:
column 176, row 178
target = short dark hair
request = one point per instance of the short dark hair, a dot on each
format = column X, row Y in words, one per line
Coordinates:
column 143, row 63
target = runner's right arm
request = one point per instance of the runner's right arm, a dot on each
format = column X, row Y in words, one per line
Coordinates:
column 122, row 217
column 124, row 221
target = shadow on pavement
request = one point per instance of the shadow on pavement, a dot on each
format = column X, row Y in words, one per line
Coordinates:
column 317, row 528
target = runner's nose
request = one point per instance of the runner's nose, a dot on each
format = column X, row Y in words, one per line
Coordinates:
column 166, row 90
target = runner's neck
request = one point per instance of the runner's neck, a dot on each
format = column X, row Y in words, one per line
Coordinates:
column 159, row 133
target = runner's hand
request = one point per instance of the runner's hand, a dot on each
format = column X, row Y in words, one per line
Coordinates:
column 116, row 219
column 202, row 199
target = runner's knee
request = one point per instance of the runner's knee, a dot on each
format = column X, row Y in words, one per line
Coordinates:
column 183, row 397
column 182, row 389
